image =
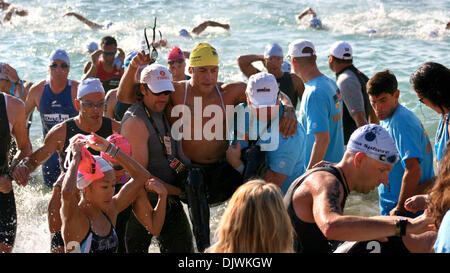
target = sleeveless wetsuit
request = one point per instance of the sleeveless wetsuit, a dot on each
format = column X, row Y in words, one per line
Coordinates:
column 54, row 109
column 287, row 86
column 110, row 80
column 94, row 243
column 309, row 237
column 72, row 129
column 347, row 121
column 8, row 214
column 176, row 234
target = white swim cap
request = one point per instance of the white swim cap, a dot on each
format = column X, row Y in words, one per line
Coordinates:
column 88, row 86
column 60, row 54
column 82, row 182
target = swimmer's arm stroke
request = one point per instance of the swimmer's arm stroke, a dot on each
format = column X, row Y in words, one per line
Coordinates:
column 328, row 215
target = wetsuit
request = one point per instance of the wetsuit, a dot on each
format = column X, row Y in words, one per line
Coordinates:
column 8, row 214
column 286, row 85
column 176, row 234
column 54, row 109
column 347, row 121
column 71, row 130
column 208, row 184
column 310, row 238
column 110, row 80
column 93, row 243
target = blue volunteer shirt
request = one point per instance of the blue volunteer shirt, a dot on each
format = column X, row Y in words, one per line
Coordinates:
column 441, row 138
column 442, row 244
column 320, row 111
column 412, row 141
column 283, row 155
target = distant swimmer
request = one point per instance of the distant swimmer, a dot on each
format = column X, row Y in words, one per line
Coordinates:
column 10, row 11
column 315, row 22
column 200, row 28
column 89, row 23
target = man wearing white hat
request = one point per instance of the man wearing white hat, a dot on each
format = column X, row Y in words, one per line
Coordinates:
column 148, row 130
column 316, row 200
column 288, row 83
column 89, row 103
column 320, row 108
column 284, row 156
column 352, row 84
column 55, row 100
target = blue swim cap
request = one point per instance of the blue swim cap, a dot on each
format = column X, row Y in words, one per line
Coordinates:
column 286, row 66
column 273, row 50
column 184, row 33
column 92, row 46
column 108, row 25
column 315, row 23
column 371, row 31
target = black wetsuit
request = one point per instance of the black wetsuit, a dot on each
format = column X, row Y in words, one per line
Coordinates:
column 8, row 214
column 310, row 238
column 286, row 85
column 347, row 121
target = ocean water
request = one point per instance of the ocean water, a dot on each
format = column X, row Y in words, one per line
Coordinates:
column 408, row 33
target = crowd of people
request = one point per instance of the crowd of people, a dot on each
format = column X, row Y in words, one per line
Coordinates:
column 121, row 161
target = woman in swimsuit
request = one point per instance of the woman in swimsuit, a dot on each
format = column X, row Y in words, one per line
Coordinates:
column 88, row 225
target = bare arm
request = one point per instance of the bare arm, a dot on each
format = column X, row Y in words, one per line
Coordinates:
column 410, row 182
column 110, row 103
column 126, row 93
column 305, row 12
column 245, row 64
column 319, row 148
column 19, row 130
column 88, row 22
column 201, row 27
column 299, row 86
column 91, row 67
column 274, row 177
column 359, row 118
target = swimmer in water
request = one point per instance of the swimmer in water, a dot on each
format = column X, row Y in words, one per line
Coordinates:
column 89, row 23
column 315, row 22
column 201, row 27
column 10, row 11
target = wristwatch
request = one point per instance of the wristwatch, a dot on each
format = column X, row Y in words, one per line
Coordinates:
column 400, row 226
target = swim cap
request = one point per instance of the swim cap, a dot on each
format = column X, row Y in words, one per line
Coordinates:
column 315, row 23
column 84, row 178
column 2, row 72
column 92, row 46
column 286, row 66
column 204, row 54
column 88, row 86
column 60, row 54
column 175, row 54
column 273, row 50
column 375, row 142
column 184, row 33
column 120, row 142
column 341, row 50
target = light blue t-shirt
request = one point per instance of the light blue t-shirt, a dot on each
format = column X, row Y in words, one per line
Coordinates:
column 283, row 155
column 321, row 110
column 441, row 138
column 412, row 141
column 442, row 244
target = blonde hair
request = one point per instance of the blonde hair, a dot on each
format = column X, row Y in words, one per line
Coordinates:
column 255, row 221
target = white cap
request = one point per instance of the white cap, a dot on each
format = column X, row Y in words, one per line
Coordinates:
column 273, row 50
column 92, row 46
column 82, row 182
column 88, row 86
column 296, row 48
column 375, row 142
column 60, row 54
column 262, row 90
column 286, row 66
column 341, row 50
column 158, row 78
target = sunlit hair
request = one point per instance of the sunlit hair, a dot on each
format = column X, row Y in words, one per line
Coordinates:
column 440, row 193
column 255, row 221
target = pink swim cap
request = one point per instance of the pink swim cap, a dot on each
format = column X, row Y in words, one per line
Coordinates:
column 120, row 142
column 175, row 54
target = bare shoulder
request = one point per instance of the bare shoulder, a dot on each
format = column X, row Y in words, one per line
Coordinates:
column 321, row 181
column 133, row 127
column 14, row 104
column 37, row 88
column 115, row 126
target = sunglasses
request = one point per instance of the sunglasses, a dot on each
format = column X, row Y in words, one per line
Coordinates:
column 55, row 65
column 154, row 52
column 109, row 53
column 180, row 61
column 166, row 93
column 90, row 104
